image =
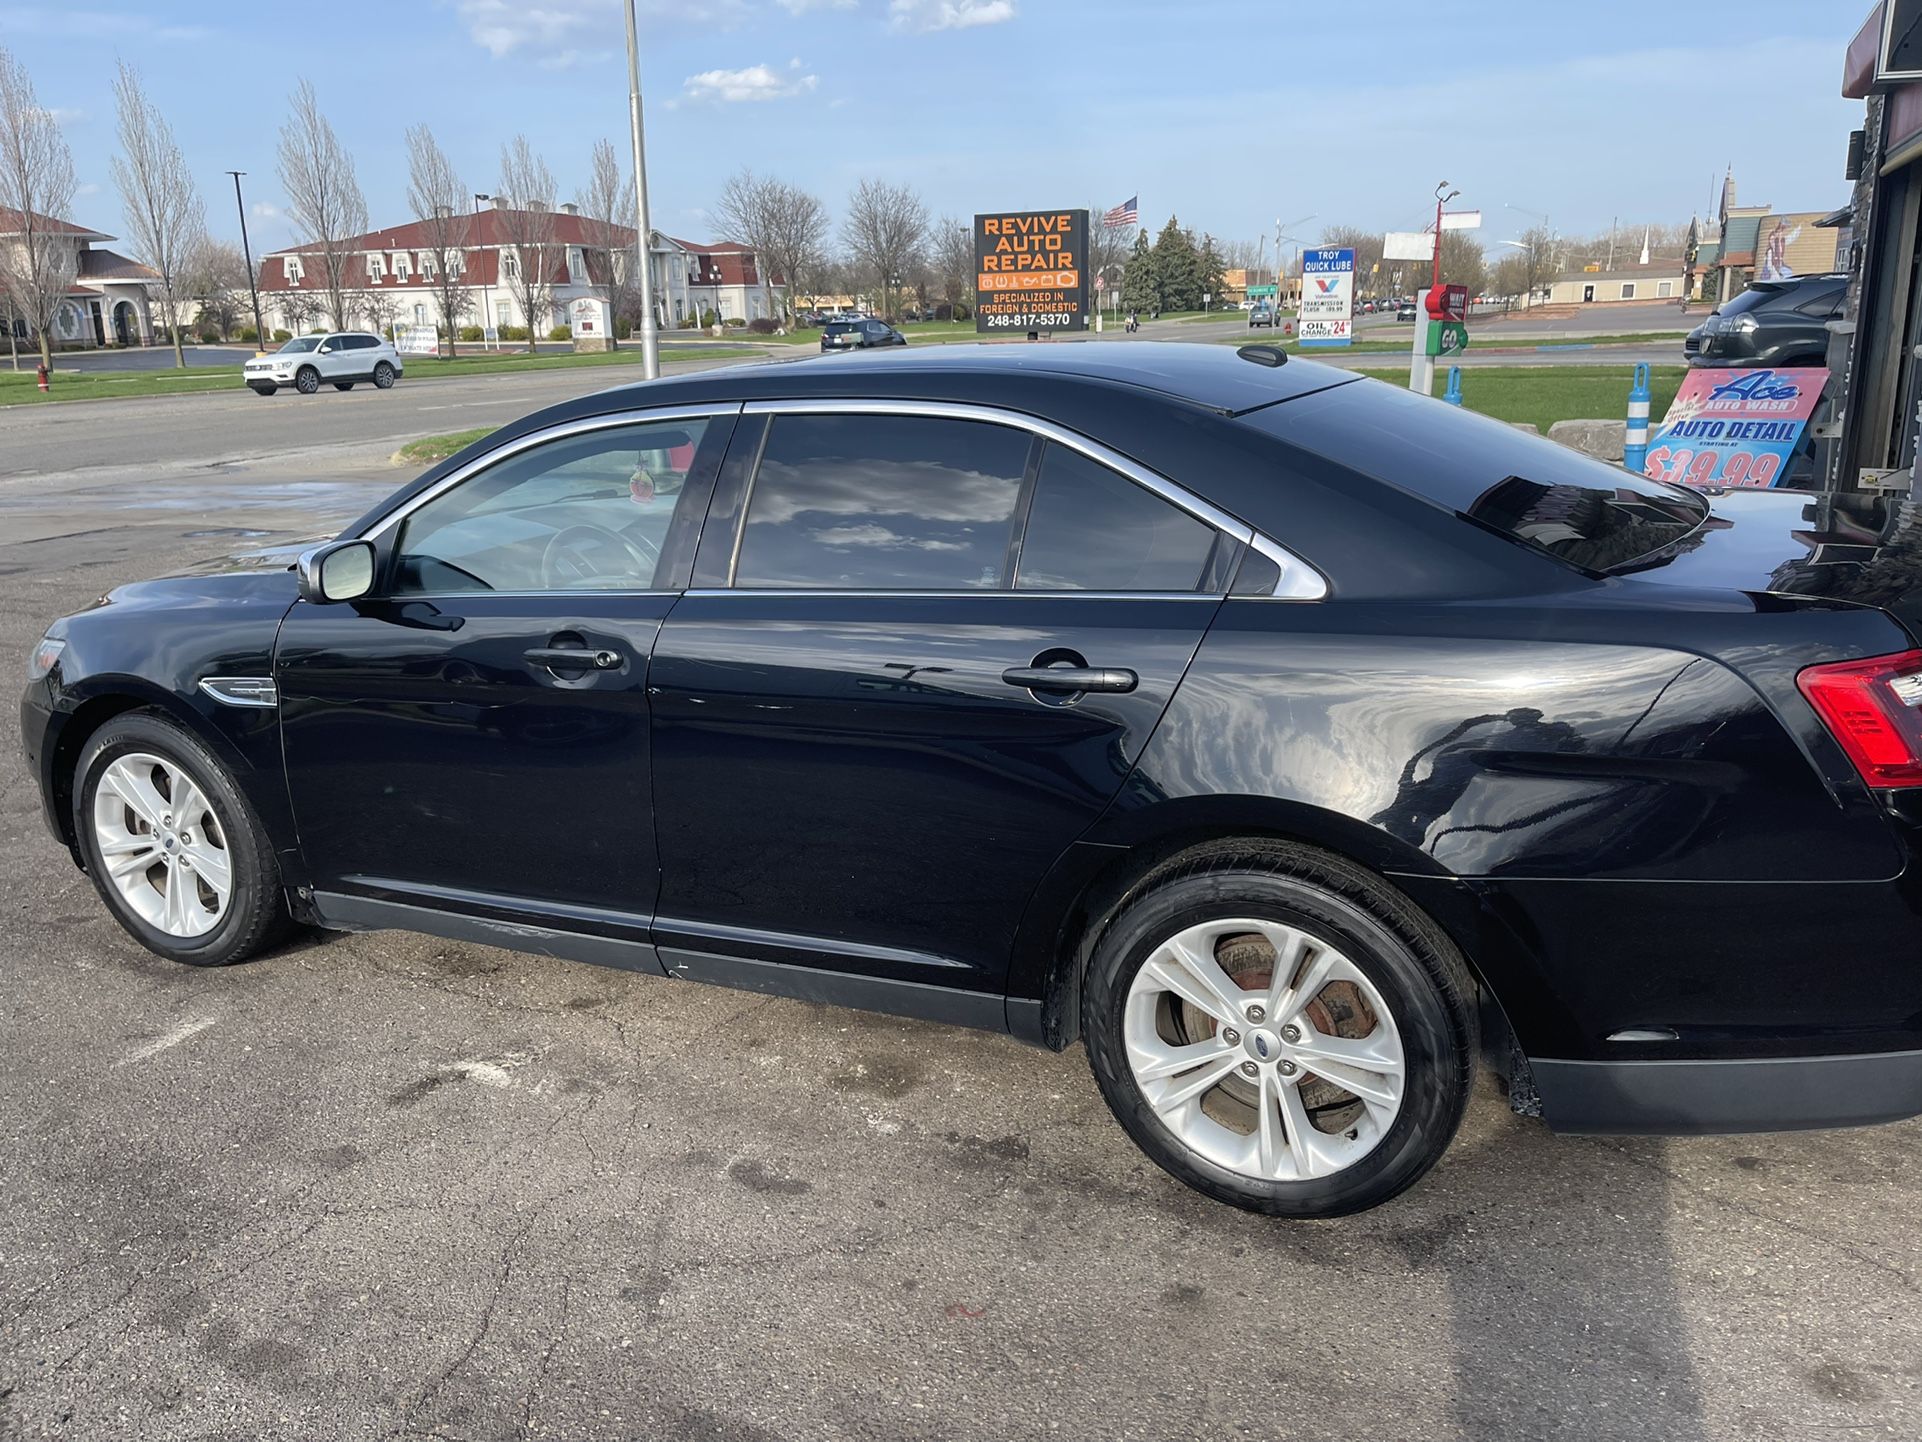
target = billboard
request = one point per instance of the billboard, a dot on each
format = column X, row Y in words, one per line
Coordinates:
column 1031, row 271
column 1734, row 427
column 417, row 340
column 1327, row 296
column 1408, row 245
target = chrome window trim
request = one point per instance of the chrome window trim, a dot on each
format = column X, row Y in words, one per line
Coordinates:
column 1299, row 580
column 789, row 592
column 527, row 442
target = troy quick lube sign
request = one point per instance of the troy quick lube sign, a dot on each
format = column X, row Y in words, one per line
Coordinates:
column 1031, row 271
column 1327, row 297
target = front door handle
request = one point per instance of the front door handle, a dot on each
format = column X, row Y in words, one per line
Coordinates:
column 557, row 658
column 1071, row 678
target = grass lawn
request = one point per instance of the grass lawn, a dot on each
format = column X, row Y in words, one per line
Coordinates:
column 1543, row 395
column 22, row 387
column 429, row 449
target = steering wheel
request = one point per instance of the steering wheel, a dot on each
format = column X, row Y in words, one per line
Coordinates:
column 575, row 557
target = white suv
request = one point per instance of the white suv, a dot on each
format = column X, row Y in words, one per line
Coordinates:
column 341, row 359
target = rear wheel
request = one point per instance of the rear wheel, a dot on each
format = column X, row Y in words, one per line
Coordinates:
column 1280, row 1030
column 384, row 376
column 307, row 380
column 172, row 846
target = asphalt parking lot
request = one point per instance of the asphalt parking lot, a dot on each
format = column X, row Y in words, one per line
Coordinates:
column 387, row 1186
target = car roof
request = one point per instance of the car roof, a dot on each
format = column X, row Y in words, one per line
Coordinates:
column 1213, row 377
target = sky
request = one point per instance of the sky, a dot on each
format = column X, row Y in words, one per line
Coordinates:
column 1235, row 115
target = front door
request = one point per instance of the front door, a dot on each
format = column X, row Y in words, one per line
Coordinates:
column 474, row 737
column 861, row 762
column 1588, row 293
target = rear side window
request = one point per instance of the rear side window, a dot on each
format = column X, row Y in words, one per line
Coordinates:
column 1091, row 529
column 883, row 503
column 1546, row 496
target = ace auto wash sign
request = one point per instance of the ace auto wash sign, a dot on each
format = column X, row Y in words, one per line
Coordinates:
column 1031, row 271
column 1734, row 428
column 1328, row 296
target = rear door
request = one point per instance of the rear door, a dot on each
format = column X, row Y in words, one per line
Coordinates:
column 924, row 649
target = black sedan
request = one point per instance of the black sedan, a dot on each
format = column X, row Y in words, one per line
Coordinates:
column 1302, row 745
column 863, row 334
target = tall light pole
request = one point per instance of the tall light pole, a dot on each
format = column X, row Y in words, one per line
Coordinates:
column 650, row 336
column 1279, row 228
column 253, row 288
column 480, row 261
column 1421, row 365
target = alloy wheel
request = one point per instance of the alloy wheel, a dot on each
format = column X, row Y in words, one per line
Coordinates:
column 162, row 845
column 1264, row 1049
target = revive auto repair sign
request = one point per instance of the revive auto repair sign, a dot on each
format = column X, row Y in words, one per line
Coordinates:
column 1031, row 271
column 1734, row 427
column 1328, row 297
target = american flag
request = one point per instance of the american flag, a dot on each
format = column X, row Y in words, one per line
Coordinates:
column 1126, row 213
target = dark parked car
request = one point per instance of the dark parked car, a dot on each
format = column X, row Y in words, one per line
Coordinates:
column 859, row 335
column 1777, row 323
column 1262, row 314
column 1301, row 744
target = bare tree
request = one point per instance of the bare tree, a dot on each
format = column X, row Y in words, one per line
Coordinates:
column 439, row 200
column 382, row 309
column 323, row 196
column 784, row 225
column 951, row 259
column 37, row 263
column 299, row 308
column 608, row 203
column 529, row 249
column 157, row 193
column 885, row 229
column 214, row 276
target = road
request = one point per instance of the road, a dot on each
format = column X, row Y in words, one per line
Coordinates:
column 386, row 1186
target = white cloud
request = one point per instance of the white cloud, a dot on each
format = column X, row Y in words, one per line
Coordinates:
column 267, row 210
column 801, row 7
column 948, row 14
column 87, row 188
column 756, row 82
column 562, row 34
column 63, row 114
column 74, row 24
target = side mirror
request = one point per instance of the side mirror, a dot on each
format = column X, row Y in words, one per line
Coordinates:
column 337, row 571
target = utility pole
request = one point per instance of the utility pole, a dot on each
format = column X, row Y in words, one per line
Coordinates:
column 1611, row 240
column 247, row 253
column 650, row 335
column 480, row 259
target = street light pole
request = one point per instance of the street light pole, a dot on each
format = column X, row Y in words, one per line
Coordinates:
column 1421, row 365
column 253, row 287
column 650, row 336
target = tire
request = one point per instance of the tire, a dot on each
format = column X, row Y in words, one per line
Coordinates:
column 263, row 390
column 384, row 376
column 254, row 912
column 343, row 385
column 307, row 380
column 1394, row 986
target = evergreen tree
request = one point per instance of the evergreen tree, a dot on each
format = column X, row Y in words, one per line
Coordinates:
column 1177, row 268
column 1140, row 291
column 1213, row 268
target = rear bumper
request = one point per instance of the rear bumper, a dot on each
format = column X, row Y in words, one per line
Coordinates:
column 1685, row 1098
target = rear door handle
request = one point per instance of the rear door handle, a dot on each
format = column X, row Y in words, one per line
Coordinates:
column 558, row 658
column 1071, row 678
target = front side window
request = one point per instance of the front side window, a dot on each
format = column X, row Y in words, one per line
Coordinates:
column 884, row 503
column 1093, row 529
column 581, row 513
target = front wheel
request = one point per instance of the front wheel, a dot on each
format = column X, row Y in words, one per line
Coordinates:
column 1280, row 1030
column 307, row 381
column 384, row 376
column 172, row 846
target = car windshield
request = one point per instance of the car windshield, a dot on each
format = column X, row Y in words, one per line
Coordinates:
column 301, row 343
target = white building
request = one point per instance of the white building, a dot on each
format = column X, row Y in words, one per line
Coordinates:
column 397, row 264
column 107, row 303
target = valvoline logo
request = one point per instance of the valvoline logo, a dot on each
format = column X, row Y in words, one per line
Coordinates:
column 1327, row 283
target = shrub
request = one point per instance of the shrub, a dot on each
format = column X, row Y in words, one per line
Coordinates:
column 472, row 332
column 561, row 332
column 734, row 320
column 513, row 332
column 283, row 336
column 710, row 316
column 691, row 322
column 622, row 330
column 208, row 337
column 761, row 325
column 248, row 333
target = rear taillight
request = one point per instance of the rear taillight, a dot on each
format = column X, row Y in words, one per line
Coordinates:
column 1873, row 708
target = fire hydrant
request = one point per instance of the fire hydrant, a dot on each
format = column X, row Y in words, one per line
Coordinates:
column 41, row 372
